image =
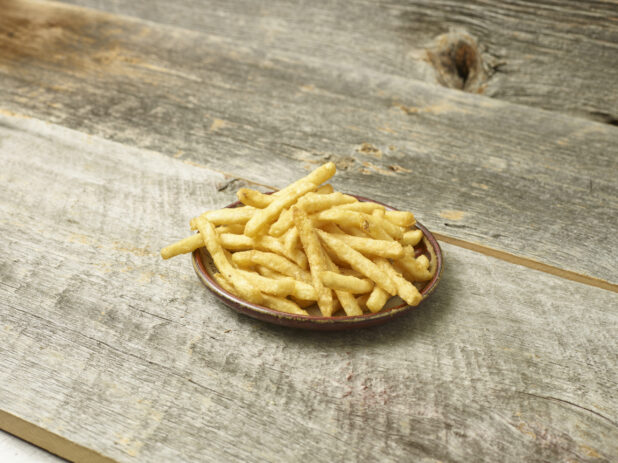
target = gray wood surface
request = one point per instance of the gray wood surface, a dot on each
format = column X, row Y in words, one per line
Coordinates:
column 554, row 54
column 473, row 168
column 110, row 347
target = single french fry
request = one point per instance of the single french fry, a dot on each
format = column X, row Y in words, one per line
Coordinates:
column 401, row 218
column 377, row 299
column 341, row 217
column 317, row 263
column 382, row 248
column 238, row 242
column 412, row 268
column 357, row 261
column 184, row 246
column 211, row 240
column 405, row 290
column 412, row 237
column 314, row 202
column 235, row 228
column 282, row 305
column 226, row 216
column 262, row 218
column 304, row 291
column 349, row 303
column 291, row 240
column 275, row 287
column 272, row 261
column 325, row 189
column 282, row 224
column 361, row 206
column 254, row 198
column 365, row 222
column 347, row 283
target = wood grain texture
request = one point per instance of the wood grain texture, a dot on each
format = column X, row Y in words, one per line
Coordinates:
column 552, row 54
column 506, row 176
column 110, row 347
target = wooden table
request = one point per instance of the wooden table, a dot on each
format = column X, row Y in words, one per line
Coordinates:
column 494, row 122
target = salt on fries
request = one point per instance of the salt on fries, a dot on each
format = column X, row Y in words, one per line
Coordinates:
column 308, row 244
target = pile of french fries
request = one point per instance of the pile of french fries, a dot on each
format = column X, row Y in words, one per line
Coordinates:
column 308, row 244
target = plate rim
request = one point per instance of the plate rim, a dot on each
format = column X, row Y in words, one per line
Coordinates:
column 310, row 321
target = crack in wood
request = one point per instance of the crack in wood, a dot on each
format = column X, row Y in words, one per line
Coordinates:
column 581, row 407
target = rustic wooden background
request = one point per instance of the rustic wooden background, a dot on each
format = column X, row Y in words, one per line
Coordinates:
column 495, row 122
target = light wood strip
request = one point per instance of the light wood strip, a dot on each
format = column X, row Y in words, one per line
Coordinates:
column 541, row 267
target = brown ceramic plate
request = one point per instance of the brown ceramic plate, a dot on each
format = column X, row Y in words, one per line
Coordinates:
column 204, row 267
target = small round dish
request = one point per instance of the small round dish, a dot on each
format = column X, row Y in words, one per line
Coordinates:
column 204, row 268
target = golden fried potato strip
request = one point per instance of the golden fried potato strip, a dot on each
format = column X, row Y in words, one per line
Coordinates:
column 273, row 261
column 245, row 289
column 254, row 198
column 184, row 246
column 354, row 285
column 262, row 218
column 226, row 216
column 314, row 202
column 315, row 256
column 400, row 218
column 412, row 237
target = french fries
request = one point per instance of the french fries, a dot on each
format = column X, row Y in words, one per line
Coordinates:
column 308, row 245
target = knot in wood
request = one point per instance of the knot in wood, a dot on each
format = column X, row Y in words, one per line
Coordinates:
column 458, row 62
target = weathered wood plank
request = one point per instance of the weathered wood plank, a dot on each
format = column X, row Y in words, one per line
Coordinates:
column 446, row 154
column 108, row 346
column 551, row 54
